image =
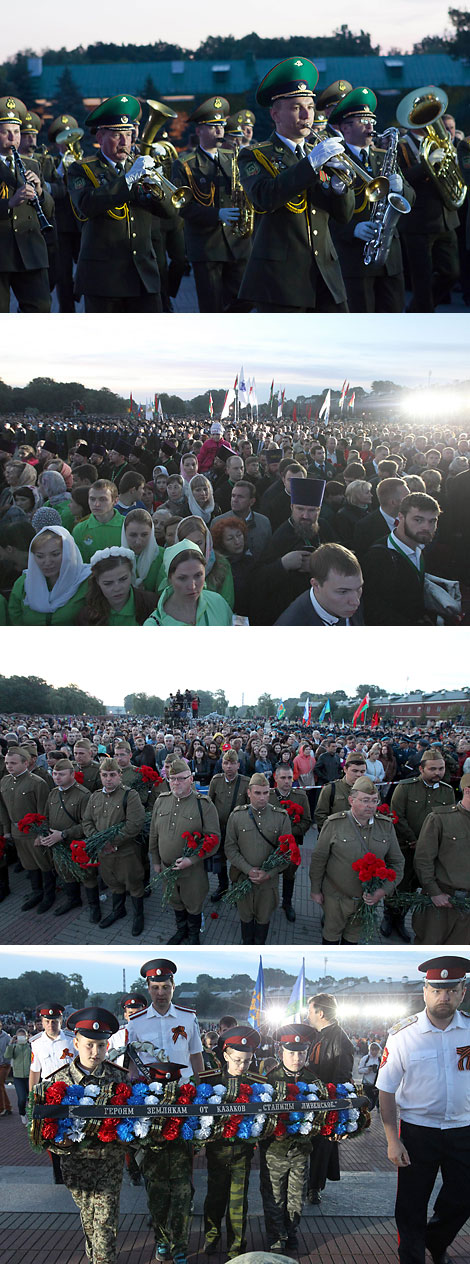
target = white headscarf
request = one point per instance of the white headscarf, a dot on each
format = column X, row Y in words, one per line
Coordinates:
column 143, row 560
column 194, row 508
column 73, row 572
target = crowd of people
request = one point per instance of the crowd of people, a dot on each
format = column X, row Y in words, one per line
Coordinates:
column 246, row 797
column 206, row 524
column 296, row 222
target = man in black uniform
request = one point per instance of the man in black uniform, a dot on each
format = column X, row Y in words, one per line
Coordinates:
column 331, row 1059
column 370, row 287
column 293, row 264
column 23, row 250
column 215, row 248
column 117, row 267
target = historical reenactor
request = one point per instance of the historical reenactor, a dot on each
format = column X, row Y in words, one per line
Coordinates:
column 93, row 1171
column 425, row 1071
column 442, row 863
column 85, row 765
column 331, row 1059
column 216, row 249
column 293, row 264
column 344, row 838
column 373, row 287
column 175, row 813
column 148, row 792
column 51, row 1050
column 65, row 809
column 24, row 207
column 334, row 796
column 296, row 804
column 121, row 865
column 170, row 1028
column 284, row 1162
column 117, row 269
column 252, row 835
column 167, row 1169
column 227, row 790
column 68, row 227
column 228, row 1164
column 21, row 793
column 412, row 800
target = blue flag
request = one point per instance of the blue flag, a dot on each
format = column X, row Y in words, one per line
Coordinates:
column 326, row 710
column 257, row 1000
column 297, row 1001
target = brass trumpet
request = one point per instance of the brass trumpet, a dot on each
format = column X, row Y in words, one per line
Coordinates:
column 346, row 169
column 160, row 113
column 71, row 136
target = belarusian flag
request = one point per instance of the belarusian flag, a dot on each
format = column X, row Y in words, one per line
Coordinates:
column 344, row 391
column 351, row 400
column 361, row 710
column 211, row 406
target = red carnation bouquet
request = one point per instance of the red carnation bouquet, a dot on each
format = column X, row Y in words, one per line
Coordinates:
column 286, row 849
column 79, row 776
column 386, row 810
column 196, row 846
column 80, row 855
column 294, row 810
column 372, row 872
column 150, row 776
column 31, row 823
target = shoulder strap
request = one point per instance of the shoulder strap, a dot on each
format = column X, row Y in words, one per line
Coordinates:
column 332, row 796
column 234, row 795
column 67, row 813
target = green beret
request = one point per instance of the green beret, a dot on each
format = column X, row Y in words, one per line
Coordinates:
column 63, row 123
column 12, row 110
column 359, row 101
column 333, row 93
column 290, row 77
column 214, row 110
column 121, row 111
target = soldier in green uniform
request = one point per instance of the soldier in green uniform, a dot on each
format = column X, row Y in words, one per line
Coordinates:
column 85, row 765
column 21, row 793
column 252, row 835
column 174, row 813
column 412, row 800
column 293, row 264
column 121, row 866
column 228, row 1163
column 215, row 248
column 284, row 796
column 442, row 863
column 167, row 1169
column 33, row 765
column 117, row 268
column 93, row 1171
column 23, row 250
column 285, row 1162
column 334, row 797
column 227, row 790
column 346, row 837
column 65, row 809
column 68, row 228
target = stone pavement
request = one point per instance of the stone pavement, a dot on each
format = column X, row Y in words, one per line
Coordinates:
column 221, row 923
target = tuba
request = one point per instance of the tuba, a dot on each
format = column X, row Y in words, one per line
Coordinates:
column 424, row 110
column 71, row 137
column 157, row 180
column 245, row 224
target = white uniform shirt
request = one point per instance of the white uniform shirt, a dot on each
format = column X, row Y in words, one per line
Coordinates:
column 118, row 1040
column 429, row 1072
column 49, row 1055
column 176, row 1032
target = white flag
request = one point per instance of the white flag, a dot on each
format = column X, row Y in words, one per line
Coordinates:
column 325, row 408
column 229, row 399
column 242, row 390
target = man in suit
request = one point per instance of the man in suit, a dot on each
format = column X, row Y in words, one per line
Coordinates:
column 293, row 265
column 216, row 249
column 23, row 250
column 370, row 287
column 390, row 493
column 394, row 567
column 117, row 267
column 334, row 596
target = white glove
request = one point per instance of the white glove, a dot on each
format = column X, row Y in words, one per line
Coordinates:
column 158, row 150
column 396, row 182
column 139, row 167
column 337, row 185
column 229, row 215
column 364, row 231
column 325, row 149
column 436, row 156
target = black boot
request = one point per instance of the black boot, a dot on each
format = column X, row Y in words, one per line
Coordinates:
column 387, row 923
column 287, row 893
column 48, row 891
column 119, row 910
column 261, row 932
column 4, row 884
column 181, row 936
column 222, row 887
column 138, row 922
column 93, row 901
column 330, row 941
column 400, row 929
column 248, row 932
column 35, row 878
column 72, row 898
column 194, row 926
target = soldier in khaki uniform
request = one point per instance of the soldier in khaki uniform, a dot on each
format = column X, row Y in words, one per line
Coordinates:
column 228, row 791
column 65, row 809
column 21, row 792
column 120, row 862
column 252, row 835
column 442, row 862
column 228, row 1163
column 148, row 792
column 85, row 764
column 283, row 777
column 412, row 800
column 334, row 797
column 346, row 837
column 174, row 813
column 33, row 765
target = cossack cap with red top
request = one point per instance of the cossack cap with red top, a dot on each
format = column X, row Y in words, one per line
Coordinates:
column 159, row 969
column 245, row 1039
column 163, row 1072
column 96, row 1023
column 136, row 1001
column 50, row 1011
column 295, row 1037
column 445, row 971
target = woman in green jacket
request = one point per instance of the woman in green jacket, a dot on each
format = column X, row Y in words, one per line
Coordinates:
column 185, row 601
column 53, row 588
column 218, row 570
column 113, row 599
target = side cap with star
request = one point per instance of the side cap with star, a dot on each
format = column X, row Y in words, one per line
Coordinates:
column 288, row 78
column 445, row 971
column 359, row 101
column 159, row 969
column 121, row 111
column 94, row 1022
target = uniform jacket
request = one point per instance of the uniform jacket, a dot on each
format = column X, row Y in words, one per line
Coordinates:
column 18, row 797
column 73, row 1074
column 429, row 215
column 295, row 796
column 91, row 776
column 224, row 793
column 245, row 848
column 442, row 856
column 333, row 797
column 350, row 248
column 342, row 840
column 206, row 238
column 171, row 817
column 63, row 804
column 22, row 244
column 104, row 810
column 412, row 800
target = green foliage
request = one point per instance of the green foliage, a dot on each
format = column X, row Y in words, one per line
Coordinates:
column 32, row 696
column 69, row 97
column 34, row 987
column 342, row 43
column 48, row 396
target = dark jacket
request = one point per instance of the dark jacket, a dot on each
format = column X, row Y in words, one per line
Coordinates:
column 393, row 588
column 332, row 1055
column 301, row 613
column 350, row 248
column 206, row 238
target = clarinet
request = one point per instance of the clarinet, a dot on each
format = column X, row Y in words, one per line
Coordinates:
column 42, row 219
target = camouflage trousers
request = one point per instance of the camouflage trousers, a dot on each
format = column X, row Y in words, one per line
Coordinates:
column 167, row 1172
column 95, row 1185
column 228, row 1174
column 283, row 1183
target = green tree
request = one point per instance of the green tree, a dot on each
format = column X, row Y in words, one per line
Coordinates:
column 69, row 96
column 374, row 691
